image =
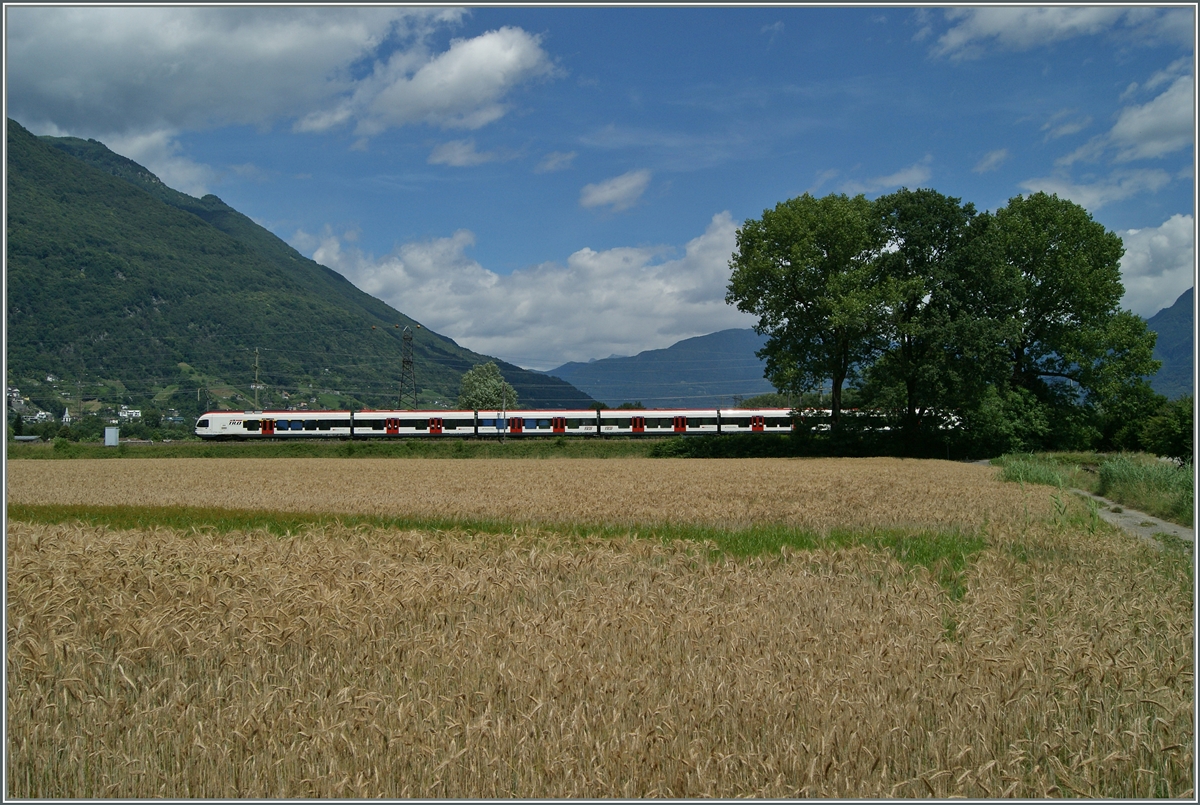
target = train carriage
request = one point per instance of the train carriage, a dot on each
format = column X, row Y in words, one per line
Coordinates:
column 519, row 423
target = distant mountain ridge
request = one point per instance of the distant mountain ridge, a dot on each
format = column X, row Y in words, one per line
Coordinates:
column 709, row 370
column 705, row 371
column 1176, row 328
column 115, row 278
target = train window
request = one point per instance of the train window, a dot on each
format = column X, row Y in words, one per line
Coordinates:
column 340, row 423
column 297, row 424
column 203, row 423
column 310, row 424
column 418, row 424
column 281, row 424
column 250, row 424
column 323, row 424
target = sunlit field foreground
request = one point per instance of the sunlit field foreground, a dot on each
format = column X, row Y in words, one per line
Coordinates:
column 338, row 661
column 816, row 494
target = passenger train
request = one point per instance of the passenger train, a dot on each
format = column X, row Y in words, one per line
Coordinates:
column 396, row 424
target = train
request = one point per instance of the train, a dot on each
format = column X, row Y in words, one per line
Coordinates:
column 371, row 424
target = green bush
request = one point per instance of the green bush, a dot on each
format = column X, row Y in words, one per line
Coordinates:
column 1169, row 433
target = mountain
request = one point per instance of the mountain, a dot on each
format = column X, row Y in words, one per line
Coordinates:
column 705, row 371
column 137, row 291
column 1176, row 330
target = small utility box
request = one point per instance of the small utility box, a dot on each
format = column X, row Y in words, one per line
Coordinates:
column 110, row 436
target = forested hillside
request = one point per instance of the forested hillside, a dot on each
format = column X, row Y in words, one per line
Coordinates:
column 131, row 291
column 1176, row 329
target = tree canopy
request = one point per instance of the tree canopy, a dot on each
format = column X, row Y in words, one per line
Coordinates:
column 485, row 387
column 1005, row 326
column 804, row 269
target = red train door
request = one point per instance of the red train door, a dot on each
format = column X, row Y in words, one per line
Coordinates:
column 393, row 426
column 516, row 424
column 638, row 424
column 680, row 424
column 558, row 424
column 268, row 427
column 757, row 423
column 435, row 424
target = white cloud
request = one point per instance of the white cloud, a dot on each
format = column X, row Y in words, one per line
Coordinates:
column 1154, row 129
column 1117, row 186
column 991, row 160
column 622, row 300
column 1022, row 28
column 133, row 69
column 461, row 154
column 555, row 161
column 1173, row 70
column 463, row 88
column 1163, row 125
column 1058, row 125
column 110, row 72
column 159, row 152
column 619, row 192
column 1158, row 265
column 913, row 176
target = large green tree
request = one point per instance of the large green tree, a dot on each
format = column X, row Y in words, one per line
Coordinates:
column 1057, row 304
column 917, row 277
column 805, row 270
column 485, row 387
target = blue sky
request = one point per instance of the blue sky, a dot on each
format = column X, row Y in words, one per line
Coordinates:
column 554, row 184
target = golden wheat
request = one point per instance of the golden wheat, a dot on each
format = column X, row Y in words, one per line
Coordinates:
column 815, row 494
column 376, row 663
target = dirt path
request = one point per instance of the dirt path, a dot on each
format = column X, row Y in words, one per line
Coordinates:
column 1137, row 523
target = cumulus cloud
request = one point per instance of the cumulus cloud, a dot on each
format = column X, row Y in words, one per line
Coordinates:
column 1151, row 130
column 617, row 301
column 913, row 176
column 130, row 73
column 1163, row 125
column 1119, row 185
column 1022, row 28
column 619, row 192
column 463, row 88
column 1158, row 264
column 991, row 160
column 160, row 152
column 132, row 69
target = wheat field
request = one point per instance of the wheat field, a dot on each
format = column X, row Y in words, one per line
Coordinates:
column 816, row 494
column 369, row 662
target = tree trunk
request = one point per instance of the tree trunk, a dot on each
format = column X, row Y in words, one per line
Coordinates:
column 835, row 393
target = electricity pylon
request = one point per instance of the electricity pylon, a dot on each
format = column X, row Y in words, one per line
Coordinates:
column 408, row 372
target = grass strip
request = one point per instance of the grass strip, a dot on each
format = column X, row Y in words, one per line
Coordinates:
column 451, row 447
column 1137, row 480
column 1159, row 488
column 944, row 553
